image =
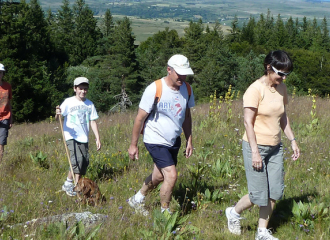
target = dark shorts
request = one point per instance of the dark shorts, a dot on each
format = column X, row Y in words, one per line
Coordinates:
column 4, row 127
column 79, row 156
column 269, row 182
column 164, row 156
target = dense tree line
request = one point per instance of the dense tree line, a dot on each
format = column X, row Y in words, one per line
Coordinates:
column 44, row 52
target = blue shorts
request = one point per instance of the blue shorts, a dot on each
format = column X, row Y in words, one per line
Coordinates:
column 269, row 182
column 164, row 156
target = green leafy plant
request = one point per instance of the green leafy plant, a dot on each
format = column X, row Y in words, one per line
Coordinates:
column 40, row 159
column 4, row 215
column 167, row 226
column 196, row 172
column 305, row 214
column 313, row 125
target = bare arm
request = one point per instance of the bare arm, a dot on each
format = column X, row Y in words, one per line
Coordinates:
column 11, row 114
column 133, row 150
column 285, row 125
column 249, row 119
column 97, row 135
column 187, row 129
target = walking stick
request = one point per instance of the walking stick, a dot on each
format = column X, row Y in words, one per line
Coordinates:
column 66, row 149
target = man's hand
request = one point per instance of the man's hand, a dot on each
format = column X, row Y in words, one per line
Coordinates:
column 133, row 152
column 189, row 150
column 98, row 145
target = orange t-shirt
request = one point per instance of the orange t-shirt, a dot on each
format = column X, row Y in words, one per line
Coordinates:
column 270, row 108
column 5, row 97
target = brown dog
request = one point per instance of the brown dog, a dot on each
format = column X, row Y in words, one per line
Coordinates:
column 88, row 192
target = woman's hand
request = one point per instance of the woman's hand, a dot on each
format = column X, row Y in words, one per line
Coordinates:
column 296, row 150
column 256, row 161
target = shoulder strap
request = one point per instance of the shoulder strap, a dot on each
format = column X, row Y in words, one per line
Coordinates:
column 188, row 89
column 158, row 90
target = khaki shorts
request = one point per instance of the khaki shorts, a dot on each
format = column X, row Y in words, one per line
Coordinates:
column 79, row 156
column 268, row 183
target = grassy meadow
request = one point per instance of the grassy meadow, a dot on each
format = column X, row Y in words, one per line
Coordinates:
column 34, row 168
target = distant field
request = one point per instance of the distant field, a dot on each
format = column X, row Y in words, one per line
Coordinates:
column 144, row 28
column 208, row 11
column 242, row 8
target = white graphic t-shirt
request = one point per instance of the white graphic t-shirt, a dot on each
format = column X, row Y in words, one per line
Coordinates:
column 77, row 116
column 164, row 125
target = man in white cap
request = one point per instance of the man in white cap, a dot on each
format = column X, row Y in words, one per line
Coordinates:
column 161, row 134
column 6, row 117
column 78, row 111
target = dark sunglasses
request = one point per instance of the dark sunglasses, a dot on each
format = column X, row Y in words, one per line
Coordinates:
column 281, row 74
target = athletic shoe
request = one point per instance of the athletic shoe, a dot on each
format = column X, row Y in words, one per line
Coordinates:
column 168, row 211
column 234, row 224
column 265, row 235
column 139, row 207
column 69, row 190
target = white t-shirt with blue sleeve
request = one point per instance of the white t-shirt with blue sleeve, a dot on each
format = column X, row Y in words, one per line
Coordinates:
column 164, row 125
column 77, row 115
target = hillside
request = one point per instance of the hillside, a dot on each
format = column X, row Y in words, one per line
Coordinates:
column 35, row 167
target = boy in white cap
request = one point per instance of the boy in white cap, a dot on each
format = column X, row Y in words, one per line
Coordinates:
column 6, row 117
column 78, row 111
column 161, row 134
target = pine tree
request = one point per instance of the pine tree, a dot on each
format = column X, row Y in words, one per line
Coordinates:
column 107, row 24
column 86, row 33
column 325, row 35
column 248, row 31
column 194, row 47
column 123, row 64
column 279, row 35
column 292, row 33
column 63, row 36
column 154, row 53
column 235, row 32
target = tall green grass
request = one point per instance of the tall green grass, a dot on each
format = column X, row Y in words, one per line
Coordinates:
column 35, row 166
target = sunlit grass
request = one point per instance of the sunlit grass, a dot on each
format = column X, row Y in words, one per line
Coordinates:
column 214, row 180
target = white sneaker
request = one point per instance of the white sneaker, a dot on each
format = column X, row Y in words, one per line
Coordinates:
column 69, row 190
column 234, row 224
column 139, row 207
column 265, row 235
column 166, row 210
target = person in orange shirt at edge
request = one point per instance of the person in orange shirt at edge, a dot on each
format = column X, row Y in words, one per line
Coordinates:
column 265, row 116
column 6, row 118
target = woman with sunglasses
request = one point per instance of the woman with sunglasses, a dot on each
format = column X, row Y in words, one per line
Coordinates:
column 264, row 117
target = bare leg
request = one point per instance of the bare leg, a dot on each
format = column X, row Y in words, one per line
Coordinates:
column 170, row 177
column 76, row 176
column 265, row 213
column 2, row 148
column 243, row 204
column 152, row 181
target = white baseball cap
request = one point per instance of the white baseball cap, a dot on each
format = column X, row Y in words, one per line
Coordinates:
column 180, row 64
column 2, row 67
column 80, row 80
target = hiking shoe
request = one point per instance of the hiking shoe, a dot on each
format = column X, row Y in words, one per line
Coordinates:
column 69, row 190
column 234, row 224
column 139, row 207
column 168, row 211
column 265, row 235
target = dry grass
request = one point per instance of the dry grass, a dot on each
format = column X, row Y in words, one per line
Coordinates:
column 30, row 191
